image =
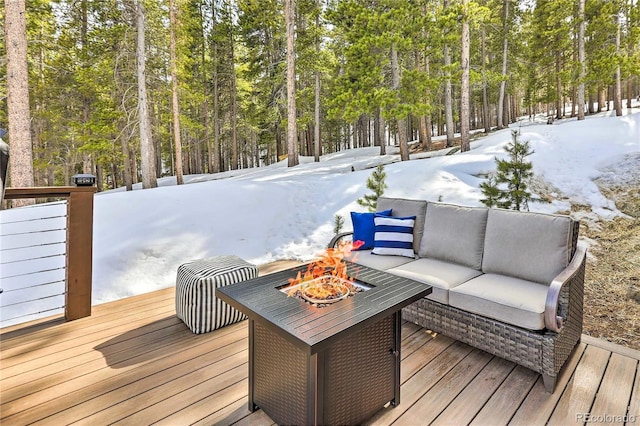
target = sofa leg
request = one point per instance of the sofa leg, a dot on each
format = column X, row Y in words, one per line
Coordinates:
column 549, row 382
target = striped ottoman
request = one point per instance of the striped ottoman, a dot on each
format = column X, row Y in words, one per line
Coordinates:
column 196, row 302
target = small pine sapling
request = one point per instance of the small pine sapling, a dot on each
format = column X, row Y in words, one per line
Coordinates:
column 491, row 192
column 509, row 186
column 338, row 223
column 375, row 183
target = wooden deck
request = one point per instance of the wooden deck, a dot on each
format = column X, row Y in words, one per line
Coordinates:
column 133, row 362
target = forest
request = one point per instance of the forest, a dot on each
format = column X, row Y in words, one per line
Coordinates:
column 132, row 90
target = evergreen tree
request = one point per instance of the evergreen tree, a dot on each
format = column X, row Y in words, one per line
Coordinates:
column 338, row 224
column 509, row 188
column 493, row 195
column 376, row 183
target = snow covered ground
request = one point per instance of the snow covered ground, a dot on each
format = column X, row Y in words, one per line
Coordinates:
column 276, row 212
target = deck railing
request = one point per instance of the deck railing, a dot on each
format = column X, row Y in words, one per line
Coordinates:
column 79, row 242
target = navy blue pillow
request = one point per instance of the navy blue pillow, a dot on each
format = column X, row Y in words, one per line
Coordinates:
column 364, row 228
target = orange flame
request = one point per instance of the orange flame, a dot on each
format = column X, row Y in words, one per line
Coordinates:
column 330, row 264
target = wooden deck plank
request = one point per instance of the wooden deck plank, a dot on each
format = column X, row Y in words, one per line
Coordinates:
column 73, row 329
column 205, row 406
column 581, row 390
column 539, row 404
column 257, row 418
column 412, row 342
column 417, row 385
column 612, row 400
column 134, row 362
column 438, row 398
column 95, row 362
column 633, row 413
column 417, row 360
column 61, row 350
column 470, row 401
column 507, row 398
column 154, row 389
column 47, row 401
column 231, row 414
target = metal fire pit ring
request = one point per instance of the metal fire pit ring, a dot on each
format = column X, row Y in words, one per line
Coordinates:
column 341, row 283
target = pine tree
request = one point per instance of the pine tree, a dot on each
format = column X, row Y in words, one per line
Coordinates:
column 509, row 187
column 338, row 224
column 376, row 183
column 490, row 190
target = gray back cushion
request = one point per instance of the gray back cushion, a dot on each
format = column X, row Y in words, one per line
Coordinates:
column 454, row 234
column 530, row 246
column 401, row 207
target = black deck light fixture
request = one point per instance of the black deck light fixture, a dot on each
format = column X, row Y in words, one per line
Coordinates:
column 84, row 179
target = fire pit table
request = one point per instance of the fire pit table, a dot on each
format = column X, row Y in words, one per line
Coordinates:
column 336, row 364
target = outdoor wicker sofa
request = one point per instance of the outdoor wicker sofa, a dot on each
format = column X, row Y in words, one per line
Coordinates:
column 507, row 282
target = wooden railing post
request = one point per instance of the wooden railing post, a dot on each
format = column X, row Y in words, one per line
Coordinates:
column 79, row 253
column 79, row 242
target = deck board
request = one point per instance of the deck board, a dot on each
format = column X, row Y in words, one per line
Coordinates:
column 465, row 407
column 506, row 400
column 581, row 390
column 134, row 362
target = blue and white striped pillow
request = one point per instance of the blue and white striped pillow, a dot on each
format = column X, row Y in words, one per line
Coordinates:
column 394, row 236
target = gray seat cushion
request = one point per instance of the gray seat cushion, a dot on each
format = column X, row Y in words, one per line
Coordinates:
column 506, row 299
column 455, row 234
column 442, row 276
column 375, row 261
column 531, row 246
column 401, row 207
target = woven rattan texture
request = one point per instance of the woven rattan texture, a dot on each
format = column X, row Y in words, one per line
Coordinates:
column 543, row 352
column 281, row 385
column 353, row 389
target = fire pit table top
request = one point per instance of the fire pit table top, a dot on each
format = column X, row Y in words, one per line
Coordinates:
column 311, row 328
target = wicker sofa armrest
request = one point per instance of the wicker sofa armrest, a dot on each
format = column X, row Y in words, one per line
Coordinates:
column 338, row 237
column 573, row 275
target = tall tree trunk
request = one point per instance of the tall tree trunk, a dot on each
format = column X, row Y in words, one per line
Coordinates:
column 464, row 84
column 485, row 98
column 581, row 58
column 21, row 158
column 427, row 116
column 448, row 101
column 99, row 178
column 316, row 127
column 448, row 97
column 127, row 172
column 424, row 131
column 86, row 102
column 617, row 96
column 216, row 112
column 175, row 105
column 147, row 156
column 558, row 85
column 402, row 122
column 503, row 81
column 292, row 143
column 234, row 105
column 205, row 86
column 378, row 131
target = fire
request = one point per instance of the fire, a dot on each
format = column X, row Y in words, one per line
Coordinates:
column 330, row 265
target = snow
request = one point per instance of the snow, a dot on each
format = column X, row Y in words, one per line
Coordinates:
column 275, row 212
